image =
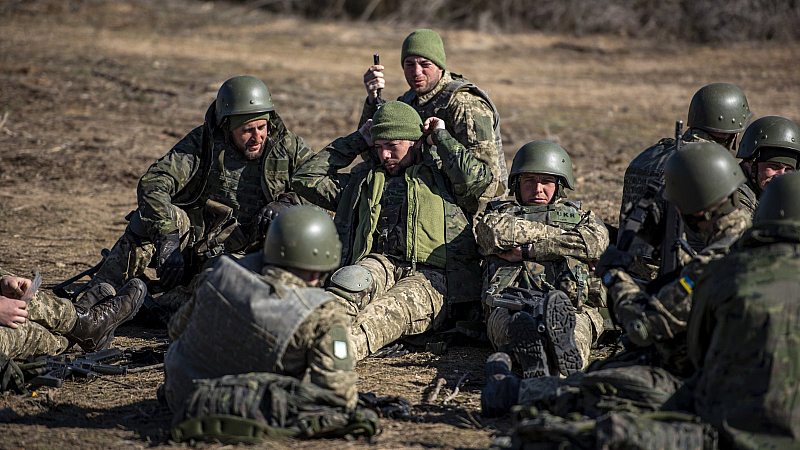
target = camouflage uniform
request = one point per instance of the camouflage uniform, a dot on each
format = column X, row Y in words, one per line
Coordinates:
column 208, row 192
column 275, row 324
column 49, row 318
column 470, row 117
column 743, row 337
column 563, row 240
column 411, row 232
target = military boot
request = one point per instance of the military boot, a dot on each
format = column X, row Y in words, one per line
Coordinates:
column 559, row 327
column 93, row 295
column 528, row 344
column 502, row 386
column 94, row 329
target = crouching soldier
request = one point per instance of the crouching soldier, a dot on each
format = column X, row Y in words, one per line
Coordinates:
column 539, row 254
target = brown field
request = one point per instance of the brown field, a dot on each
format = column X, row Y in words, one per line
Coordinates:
column 91, row 92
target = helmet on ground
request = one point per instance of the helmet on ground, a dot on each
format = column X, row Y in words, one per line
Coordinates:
column 542, row 157
column 780, row 201
column 303, row 237
column 700, row 176
column 244, row 95
column 719, row 107
column 771, row 138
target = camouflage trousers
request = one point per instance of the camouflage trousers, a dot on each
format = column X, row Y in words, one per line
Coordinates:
column 401, row 302
column 133, row 253
column 588, row 327
column 49, row 318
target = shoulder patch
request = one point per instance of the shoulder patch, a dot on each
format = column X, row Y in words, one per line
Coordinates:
column 483, row 128
column 340, row 346
column 687, row 283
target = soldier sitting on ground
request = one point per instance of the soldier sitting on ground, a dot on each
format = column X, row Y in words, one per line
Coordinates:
column 214, row 192
column 413, row 261
column 544, row 244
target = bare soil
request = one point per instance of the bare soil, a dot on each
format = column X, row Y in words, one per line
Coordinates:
column 92, row 92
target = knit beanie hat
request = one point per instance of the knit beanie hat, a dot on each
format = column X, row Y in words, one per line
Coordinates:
column 425, row 43
column 237, row 120
column 396, row 120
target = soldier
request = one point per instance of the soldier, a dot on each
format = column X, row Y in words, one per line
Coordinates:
column 468, row 113
column 717, row 113
column 47, row 325
column 403, row 223
column 770, row 147
column 264, row 313
column 545, row 243
column 215, row 191
column 744, row 325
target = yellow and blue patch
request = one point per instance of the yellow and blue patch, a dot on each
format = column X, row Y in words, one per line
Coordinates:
column 687, row 283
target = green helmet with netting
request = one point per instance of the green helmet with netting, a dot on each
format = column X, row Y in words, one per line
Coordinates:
column 771, row 138
column 700, row 176
column 303, row 237
column 719, row 107
column 542, row 157
column 245, row 97
column 780, row 200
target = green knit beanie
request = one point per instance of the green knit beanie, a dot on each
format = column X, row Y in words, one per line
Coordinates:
column 235, row 121
column 425, row 43
column 396, row 120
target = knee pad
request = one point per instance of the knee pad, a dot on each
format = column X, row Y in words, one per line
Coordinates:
column 353, row 283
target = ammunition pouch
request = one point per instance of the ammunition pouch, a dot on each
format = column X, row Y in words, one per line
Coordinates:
column 223, row 233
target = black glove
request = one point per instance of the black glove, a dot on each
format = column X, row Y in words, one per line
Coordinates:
column 612, row 258
column 272, row 210
column 169, row 262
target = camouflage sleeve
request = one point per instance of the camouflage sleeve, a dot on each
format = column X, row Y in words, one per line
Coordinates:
column 163, row 180
column 468, row 176
column 498, row 231
column 318, row 180
column 324, row 340
column 301, row 153
column 471, row 122
column 179, row 320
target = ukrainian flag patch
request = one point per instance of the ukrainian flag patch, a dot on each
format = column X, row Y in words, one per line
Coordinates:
column 687, row 283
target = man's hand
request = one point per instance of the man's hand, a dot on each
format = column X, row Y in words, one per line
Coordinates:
column 272, row 209
column 373, row 80
column 169, row 262
column 14, row 287
column 12, row 311
column 432, row 123
column 364, row 130
column 517, row 254
column 612, row 258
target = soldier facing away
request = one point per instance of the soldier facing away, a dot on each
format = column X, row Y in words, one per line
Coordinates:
column 214, row 192
column 544, row 244
column 468, row 113
column 413, row 261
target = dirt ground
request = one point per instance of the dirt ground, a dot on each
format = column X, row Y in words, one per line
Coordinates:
column 93, row 91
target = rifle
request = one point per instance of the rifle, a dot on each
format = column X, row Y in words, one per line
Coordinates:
column 53, row 370
column 517, row 299
column 376, row 59
column 60, row 289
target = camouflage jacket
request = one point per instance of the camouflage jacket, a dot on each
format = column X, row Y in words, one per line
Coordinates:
column 743, row 337
column 180, row 177
column 470, row 118
column 752, row 193
column 311, row 353
column 564, row 240
column 666, row 312
column 447, row 169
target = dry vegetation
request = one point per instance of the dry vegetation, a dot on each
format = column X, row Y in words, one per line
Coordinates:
column 94, row 91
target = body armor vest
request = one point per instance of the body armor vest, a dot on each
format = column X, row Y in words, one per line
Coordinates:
column 390, row 233
column 241, row 323
column 442, row 100
column 235, row 181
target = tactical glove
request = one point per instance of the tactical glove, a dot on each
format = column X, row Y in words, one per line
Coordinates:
column 169, row 262
column 272, row 210
column 612, row 258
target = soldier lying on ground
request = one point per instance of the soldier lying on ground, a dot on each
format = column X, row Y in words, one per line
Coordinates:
column 469, row 115
column 214, row 192
column 403, row 223
column 545, row 243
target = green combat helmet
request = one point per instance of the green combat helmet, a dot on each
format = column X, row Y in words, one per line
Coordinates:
column 699, row 176
column 542, row 157
column 244, row 94
column 303, row 237
column 771, row 132
column 719, row 107
column 781, row 200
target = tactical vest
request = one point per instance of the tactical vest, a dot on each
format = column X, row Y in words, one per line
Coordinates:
column 241, row 323
column 564, row 273
column 442, row 100
column 390, row 232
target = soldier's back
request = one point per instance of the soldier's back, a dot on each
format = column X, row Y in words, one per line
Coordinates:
column 645, row 167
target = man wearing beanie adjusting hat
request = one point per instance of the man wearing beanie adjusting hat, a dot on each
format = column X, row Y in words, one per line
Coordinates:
column 411, row 261
column 214, row 192
column 470, row 116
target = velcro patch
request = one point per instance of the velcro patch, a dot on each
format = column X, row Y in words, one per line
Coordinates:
column 483, row 128
column 687, row 283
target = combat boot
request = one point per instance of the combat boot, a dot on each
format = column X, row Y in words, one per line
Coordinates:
column 93, row 295
column 94, row 329
column 528, row 344
column 502, row 386
column 559, row 327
